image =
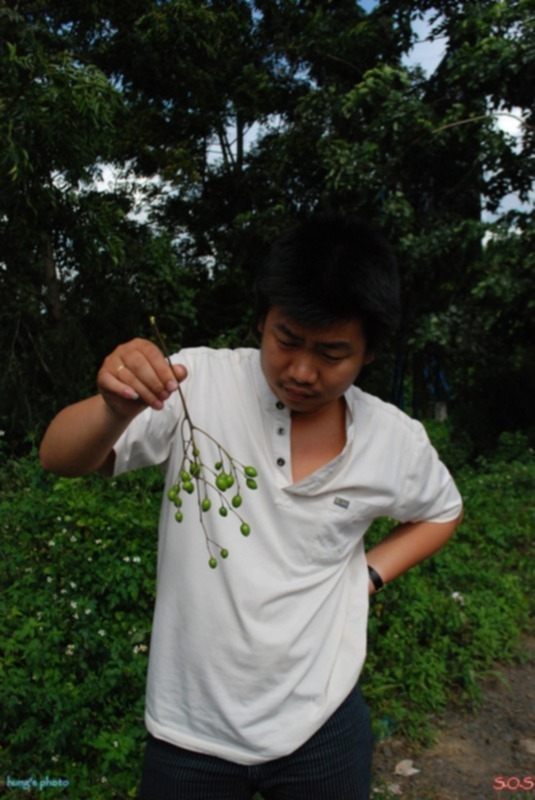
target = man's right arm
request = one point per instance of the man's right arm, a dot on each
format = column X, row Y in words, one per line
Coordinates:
column 81, row 438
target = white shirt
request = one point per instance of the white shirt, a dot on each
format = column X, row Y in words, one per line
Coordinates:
column 247, row 661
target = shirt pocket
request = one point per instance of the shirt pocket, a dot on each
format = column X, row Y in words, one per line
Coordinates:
column 339, row 527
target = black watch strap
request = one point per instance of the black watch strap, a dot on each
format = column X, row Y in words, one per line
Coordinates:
column 375, row 579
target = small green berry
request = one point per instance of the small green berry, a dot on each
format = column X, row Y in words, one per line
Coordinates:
column 221, row 482
column 206, row 504
column 224, row 553
column 195, row 470
column 188, row 487
column 172, row 494
column 251, row 483
column 236, row 501
column 250, row 472
column 178, row 502
column 179, row 516
column 184, row 476
column 229, row 480
column 223, row 511
column 213, row 563
column 245, row 529
column 218, row 465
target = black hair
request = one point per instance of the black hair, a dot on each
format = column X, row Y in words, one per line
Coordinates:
column 332, row 268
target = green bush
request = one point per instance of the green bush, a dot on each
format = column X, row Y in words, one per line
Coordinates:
column 78, row 578
column 455, row 446
column 436, row 631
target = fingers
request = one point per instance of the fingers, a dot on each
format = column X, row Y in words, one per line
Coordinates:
column 138, row 371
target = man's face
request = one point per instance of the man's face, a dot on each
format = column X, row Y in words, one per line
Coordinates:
column 309, row 369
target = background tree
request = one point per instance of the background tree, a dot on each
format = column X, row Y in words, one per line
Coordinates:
column 229, row 121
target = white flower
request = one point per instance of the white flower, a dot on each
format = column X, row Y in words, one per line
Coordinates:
column 2, row 433
column 49, row 579
column 136, row 560
column 127, row 559
column 74, row 539
column 52, row 543
column 98, row 541
column 457, row 598
column 88, row 611
column 72, row 585
column 74, row 604
column 101, row 632
column 69, row 650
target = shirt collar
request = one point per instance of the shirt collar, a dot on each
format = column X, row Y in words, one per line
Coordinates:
column 271, row 404
column 267, row 398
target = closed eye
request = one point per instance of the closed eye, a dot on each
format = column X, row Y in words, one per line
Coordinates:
column 332, row 358
column 286, row 343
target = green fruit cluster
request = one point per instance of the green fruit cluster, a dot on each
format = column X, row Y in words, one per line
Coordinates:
column 212, row 484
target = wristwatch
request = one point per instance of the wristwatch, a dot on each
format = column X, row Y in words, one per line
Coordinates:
column 375, row 579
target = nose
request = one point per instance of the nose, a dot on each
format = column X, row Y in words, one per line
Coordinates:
column 303, row 369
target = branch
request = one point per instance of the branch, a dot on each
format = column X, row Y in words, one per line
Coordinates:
column 479, row 118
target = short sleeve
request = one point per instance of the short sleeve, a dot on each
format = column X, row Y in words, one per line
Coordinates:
column 148, row 440
column 429, row 492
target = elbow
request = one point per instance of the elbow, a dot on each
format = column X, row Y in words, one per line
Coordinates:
column 52, row 462
column 47, row 463
column 454, row 523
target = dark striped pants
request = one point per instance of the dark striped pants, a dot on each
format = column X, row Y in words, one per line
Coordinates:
column 335, row 764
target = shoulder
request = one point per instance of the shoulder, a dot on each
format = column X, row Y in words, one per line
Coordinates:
column 225, row 371
column 380, row 412
column 216, row 357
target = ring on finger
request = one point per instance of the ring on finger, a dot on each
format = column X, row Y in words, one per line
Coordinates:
column 120, row 368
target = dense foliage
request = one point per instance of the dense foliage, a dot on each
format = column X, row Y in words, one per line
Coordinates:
column 221, row 123
column 78, row 578
column 226, row 121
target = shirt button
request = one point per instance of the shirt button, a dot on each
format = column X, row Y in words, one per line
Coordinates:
column 281, row 462
column 281, row 431
column 280, row 405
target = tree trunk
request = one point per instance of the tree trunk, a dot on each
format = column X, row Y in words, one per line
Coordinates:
column 52, row 283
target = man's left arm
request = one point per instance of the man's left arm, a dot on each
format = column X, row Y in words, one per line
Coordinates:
column 407, row 545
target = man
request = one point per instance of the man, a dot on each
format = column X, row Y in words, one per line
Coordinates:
column 254, row 666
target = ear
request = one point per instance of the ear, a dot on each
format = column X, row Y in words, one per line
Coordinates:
column 368, row 358
column 261, row 323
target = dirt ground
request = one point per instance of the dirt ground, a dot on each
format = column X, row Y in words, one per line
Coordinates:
column 480, row 755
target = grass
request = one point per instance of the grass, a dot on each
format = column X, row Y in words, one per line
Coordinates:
column 78, row 570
